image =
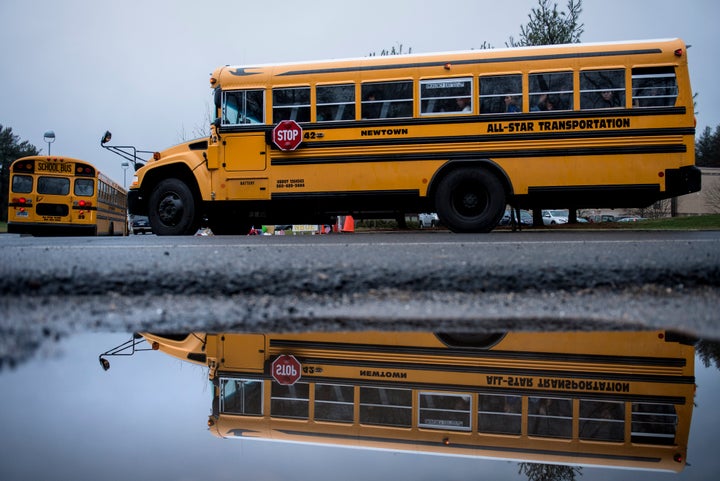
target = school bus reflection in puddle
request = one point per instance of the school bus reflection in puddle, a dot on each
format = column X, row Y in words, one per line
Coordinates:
column 621, row 399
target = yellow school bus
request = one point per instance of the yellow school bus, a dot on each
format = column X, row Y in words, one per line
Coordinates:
column 463, row 134
column 614, row 399
column 64, row 196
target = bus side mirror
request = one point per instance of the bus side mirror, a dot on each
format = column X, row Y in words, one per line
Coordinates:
column 106, row 137
column 217, row 97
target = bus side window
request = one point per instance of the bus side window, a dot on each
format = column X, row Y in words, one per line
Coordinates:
column 551, row 91
column 654, row 87
column 335, row 102
column 446, row 96
column 602, row 89
column 291, row 104
column 243, row 107
column 550, row 417
column 493, row 91
column 387, row 100
column 241, row 396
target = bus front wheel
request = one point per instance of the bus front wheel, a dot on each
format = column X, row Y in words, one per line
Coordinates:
column 470, row 200
column 171, row 209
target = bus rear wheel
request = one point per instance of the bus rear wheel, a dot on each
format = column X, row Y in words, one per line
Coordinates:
column 171, row 209
column 470, row 200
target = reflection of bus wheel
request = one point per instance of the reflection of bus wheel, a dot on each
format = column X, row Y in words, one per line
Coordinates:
column 470, row 200
column 171, row 209
column 483, row 340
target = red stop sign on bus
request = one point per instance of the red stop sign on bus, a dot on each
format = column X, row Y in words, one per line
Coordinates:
column 286, row 369
column 287, row 135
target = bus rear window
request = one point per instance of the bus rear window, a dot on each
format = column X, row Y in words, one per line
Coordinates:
column 22, row 184
column 53, row 186
column 84, row 187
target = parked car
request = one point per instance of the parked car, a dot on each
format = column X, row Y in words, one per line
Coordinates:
column 553, row 217
column 428, row 220
column 631, row 218
column 139, row 224
column 595, row 218
column 525, row 218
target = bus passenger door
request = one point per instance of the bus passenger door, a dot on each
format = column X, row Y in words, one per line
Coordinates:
column 245, row 161
column 245, row 352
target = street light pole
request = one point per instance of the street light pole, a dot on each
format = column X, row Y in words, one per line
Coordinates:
column 49, row 138
column 124, row 165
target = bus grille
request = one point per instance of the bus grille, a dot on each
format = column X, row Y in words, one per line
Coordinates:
column 52, row 209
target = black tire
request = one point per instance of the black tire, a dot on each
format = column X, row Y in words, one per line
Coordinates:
column 470, row 200
column 171, row 208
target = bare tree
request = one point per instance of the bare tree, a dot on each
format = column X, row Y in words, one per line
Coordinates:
column 658, row 210
column 394, row 50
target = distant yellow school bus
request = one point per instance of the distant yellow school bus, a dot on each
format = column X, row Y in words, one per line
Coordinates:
column 64, row 196
column 462, row 134
column 591, row 398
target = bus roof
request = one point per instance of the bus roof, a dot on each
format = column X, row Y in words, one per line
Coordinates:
column 230, row 75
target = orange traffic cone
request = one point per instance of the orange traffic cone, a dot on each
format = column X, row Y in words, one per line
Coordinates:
column 349, row 224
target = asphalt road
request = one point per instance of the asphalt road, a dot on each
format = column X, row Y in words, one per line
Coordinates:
column 52, row 287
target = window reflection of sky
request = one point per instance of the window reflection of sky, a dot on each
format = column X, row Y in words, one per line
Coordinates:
column 63, row 417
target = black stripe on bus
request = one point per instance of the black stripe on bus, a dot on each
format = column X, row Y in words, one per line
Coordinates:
column 456, row 139
column 504, row 391
column 528, row 372
column 474, row 388
column 409, row 122
column 485, row 154
column 371, row 194
column 497, row 117
column 474, row 61
column 570, row 453
column 463, row 353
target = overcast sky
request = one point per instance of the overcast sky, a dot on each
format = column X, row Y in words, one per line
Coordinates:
column 140, row 68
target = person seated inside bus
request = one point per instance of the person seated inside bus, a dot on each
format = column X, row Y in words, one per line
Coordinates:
column 370, row 107
column 511, row 104
column 607, row 100
column 464, row 104
column 545, row 102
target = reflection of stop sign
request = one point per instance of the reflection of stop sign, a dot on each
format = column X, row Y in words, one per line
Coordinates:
column 287, row 135
column 286, row 369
